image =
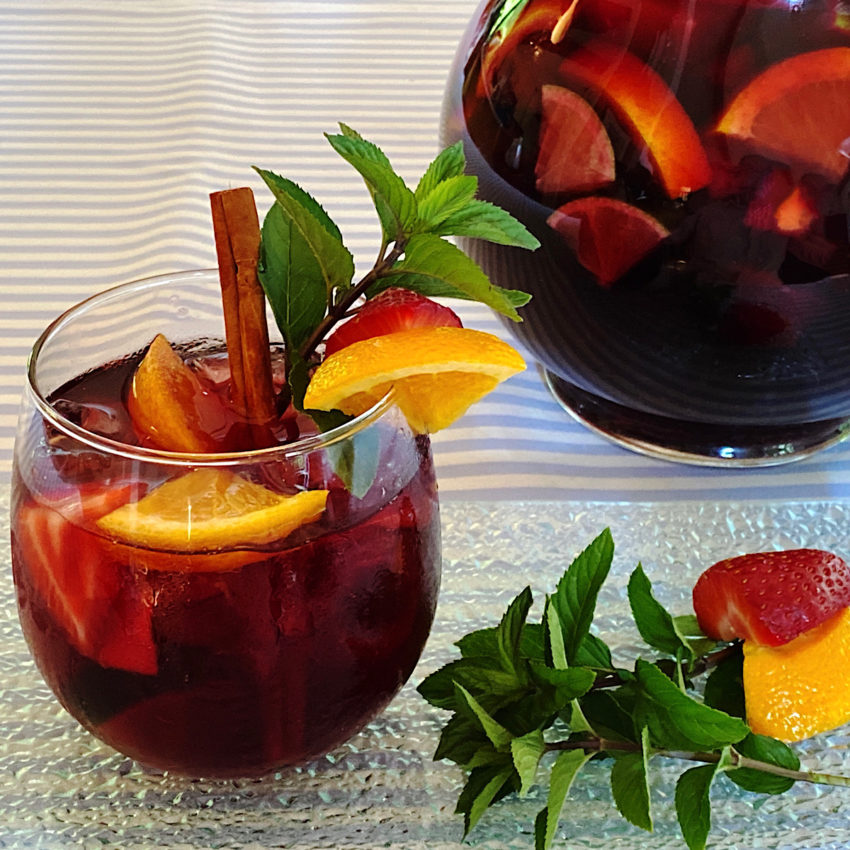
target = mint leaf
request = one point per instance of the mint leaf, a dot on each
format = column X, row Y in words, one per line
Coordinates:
column 675, row 720
column 450, row 162
column 575, row 597
column 564, row 772
column 769, row 750
column 693, row 806
column 526, row 753
column 655, row 624
column 485, row 679
column 355, row 461
column 484, row 786
column 396, row 204
column 483, row 220
column 451, row 196
column 509, row 633
column 555, row 636
column 498, row 735
column 436, row 268
column 724, row 687
column 630, row 785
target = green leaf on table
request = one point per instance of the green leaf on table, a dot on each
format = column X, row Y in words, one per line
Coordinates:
column 610, row 712
column 564, row 772
column 436, row 268
column 484, row 786
column 675, row 720
column 693, row 806
column 656, row 626
column 448, row 198
column 498, row 735
column 319, row 234
column 764, row 749
column 574, row 599
column 395, row 203
column 450, row 162
column 484, row 678
column 509, row 632
column 630, row 785
column 483, row 220
column 526, row 752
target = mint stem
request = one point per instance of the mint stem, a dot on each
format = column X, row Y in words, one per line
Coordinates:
column 599, row 745
column 337, row 311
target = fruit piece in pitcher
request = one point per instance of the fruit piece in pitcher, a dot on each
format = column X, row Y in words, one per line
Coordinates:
column 169, row 406
column 437, row 373
column 395, row 309
column 796, row 112
column 608, row 236
column 574, row 152
column 800, row 689
column 782, row 205
column 771, row 597
column 100, row 603
column 648, row 109
column 211, row 509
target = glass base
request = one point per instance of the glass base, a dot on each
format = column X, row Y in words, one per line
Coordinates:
column 695, row 442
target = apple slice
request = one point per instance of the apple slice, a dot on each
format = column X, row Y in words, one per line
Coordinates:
column 608, row 236
column 575, row 153
column 781, row 205
column 649, row 111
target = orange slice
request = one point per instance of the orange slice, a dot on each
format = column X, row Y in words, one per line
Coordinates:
column 796, row 112
column 607, row 235
column 437, row 373
column 210, row 510
column 800, row 689
column 167, row 403
column 648, row 109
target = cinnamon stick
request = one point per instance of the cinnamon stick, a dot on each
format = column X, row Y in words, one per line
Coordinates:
column 237, row 244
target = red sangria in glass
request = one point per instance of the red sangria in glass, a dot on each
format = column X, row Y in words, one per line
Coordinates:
column 685, row 167
column 218, row 613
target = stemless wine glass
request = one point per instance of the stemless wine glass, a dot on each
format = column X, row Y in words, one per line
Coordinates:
column 170, row 600
column 685, row 167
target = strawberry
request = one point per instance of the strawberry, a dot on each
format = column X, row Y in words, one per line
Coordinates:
column 771, row 597
column 395, row 309
column 97, row 601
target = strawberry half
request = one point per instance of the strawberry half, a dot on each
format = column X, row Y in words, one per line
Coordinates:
column 771, row 597
column 395, row 309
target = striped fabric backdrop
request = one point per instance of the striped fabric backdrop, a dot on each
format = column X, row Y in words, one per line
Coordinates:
column 117, row 119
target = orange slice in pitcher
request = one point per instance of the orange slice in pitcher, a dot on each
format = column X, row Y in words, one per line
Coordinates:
column 167, row 404
column 437, row 373
column 797, row 112
column 210, row 510
column 649, row 111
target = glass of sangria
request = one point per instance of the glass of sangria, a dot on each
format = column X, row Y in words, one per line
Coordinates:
column 685, row 167
column 220, row 612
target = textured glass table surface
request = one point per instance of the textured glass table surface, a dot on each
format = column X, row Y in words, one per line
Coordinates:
column 61, row 788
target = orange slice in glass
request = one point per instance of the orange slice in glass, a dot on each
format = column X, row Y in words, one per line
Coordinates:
column 649, row 111
column 168, row 405
column 800, row 689
column 210, row 510
column 437, row 373
column 797, row 112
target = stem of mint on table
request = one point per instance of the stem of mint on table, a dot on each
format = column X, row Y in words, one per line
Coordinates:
column 531, row 697
column 308, row 273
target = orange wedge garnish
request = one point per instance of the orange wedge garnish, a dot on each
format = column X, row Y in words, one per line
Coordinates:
column 799, row 689
column 168, row 405
column 797, row 112
column 210, row 510
column 436, row 373
column 648, row 109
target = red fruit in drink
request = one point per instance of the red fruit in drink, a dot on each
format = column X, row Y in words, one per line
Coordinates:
column 649, row 111
column 782, row 205
column 96, row 600
column 393, row 310
column 771, row 597
column 575, row 153
column 607, row 235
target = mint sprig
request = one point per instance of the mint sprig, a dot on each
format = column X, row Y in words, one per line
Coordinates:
column 527, row 697
column 308, row 273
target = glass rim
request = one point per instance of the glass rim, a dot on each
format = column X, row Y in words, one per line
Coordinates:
column 299, row 447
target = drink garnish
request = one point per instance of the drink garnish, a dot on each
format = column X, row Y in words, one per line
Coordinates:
column 527, row 696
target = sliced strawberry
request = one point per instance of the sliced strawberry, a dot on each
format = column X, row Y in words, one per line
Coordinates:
column 97, row 601
column 393, row 310
column 771, row 597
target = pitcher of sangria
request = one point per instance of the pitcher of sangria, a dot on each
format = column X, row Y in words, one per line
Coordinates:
column 685, row 167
